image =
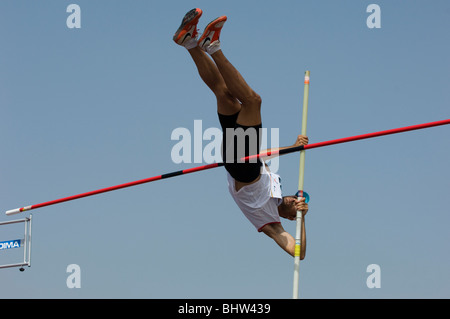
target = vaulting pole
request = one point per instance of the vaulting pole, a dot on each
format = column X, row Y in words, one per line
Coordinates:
column 301, row 178
column 205, row 167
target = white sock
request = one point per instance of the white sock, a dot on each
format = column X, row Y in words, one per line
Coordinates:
column 213, row 47
column 190, row 43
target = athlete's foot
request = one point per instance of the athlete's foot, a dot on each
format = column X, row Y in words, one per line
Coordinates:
column 187, row 32
column 209, row 41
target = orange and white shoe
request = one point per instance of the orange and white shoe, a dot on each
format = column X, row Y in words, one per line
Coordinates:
column 187, row 32
column 209, row 41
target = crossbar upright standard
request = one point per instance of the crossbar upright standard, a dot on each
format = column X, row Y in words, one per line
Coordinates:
column 25, row 242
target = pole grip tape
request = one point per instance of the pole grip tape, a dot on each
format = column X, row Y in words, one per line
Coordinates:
column 303, row 194
column 297, row 250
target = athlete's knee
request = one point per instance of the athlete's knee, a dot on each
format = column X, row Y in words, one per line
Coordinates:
column 256, row 99
column 253, row 100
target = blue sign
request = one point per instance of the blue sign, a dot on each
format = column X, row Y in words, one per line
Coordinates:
column 10, row 244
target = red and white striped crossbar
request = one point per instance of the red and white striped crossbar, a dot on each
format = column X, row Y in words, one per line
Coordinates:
column 248, row 158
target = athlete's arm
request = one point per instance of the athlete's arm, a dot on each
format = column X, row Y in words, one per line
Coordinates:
column 301, row 140
column 283, row 238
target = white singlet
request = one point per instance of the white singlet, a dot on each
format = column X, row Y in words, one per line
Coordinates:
column 259, row 201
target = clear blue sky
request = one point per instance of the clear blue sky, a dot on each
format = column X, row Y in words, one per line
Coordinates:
column 83, row 109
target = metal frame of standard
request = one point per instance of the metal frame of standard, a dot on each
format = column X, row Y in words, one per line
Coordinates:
column 26, row 243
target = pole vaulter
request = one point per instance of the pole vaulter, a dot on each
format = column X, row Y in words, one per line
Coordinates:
column 213, row 165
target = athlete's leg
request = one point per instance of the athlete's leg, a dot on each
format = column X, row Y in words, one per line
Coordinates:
column 186, row 36
column 227, row 104
column 250, row 114
column 246, row 133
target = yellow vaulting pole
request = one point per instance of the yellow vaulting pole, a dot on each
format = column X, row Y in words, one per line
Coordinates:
column 301, row 177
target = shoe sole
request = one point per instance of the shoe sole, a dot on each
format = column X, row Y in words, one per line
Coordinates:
column 218, row 20
column 188, row 18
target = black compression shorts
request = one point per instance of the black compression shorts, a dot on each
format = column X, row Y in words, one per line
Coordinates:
column 242, row 172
